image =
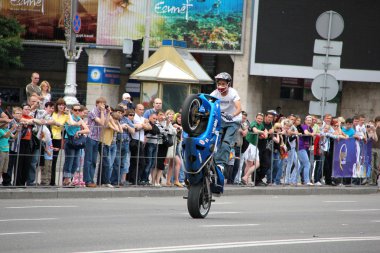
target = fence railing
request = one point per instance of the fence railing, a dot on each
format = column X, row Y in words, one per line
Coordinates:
column 300, row 166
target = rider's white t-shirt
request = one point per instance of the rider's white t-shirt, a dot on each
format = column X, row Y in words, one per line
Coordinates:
column 227, row 103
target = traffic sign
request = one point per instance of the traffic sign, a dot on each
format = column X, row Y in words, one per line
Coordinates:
column 319, row 62
column 332, row 47
column 77, row 23
column 330, row 25
column 324, row 87
column 315, row 108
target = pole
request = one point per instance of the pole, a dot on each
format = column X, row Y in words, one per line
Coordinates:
column 71, row 55
column 147, row 30
column 323, row 99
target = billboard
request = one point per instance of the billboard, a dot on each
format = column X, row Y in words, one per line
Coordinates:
column 206, row 25
column 284, row 32
column 44, row 21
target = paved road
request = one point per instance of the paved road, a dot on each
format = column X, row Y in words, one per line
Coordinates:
column 327, row 223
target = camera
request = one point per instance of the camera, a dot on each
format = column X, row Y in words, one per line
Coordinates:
column 106, row 106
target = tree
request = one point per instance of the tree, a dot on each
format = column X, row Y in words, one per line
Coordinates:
column 10, row 42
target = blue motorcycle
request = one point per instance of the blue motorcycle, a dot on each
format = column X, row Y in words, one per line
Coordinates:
column 201, row 123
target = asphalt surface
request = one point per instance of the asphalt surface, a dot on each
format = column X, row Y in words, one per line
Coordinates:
column 249, row 223
column 140, row 191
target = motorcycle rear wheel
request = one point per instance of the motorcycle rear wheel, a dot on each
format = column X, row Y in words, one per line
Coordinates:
column 199, row 199
column 192, row 121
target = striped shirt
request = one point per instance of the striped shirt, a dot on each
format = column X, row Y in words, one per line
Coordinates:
column 95, row 128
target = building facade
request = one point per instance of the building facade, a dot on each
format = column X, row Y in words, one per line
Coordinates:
column 266, row 45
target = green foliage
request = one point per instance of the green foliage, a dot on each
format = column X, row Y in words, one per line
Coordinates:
column 208, row 31
column 10, row 42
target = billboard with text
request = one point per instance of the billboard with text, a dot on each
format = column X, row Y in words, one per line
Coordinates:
column 207, row 25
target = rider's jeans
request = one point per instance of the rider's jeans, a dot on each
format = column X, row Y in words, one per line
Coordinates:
column 228, row 130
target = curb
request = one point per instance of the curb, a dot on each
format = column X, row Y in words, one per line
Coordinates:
column 65, row 193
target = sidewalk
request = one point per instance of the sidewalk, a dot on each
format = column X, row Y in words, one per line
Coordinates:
column 145, row 191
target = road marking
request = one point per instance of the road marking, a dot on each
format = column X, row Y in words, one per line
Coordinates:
column 224, row 213
column 40, row 219
column 22, row 207
column 213, row 213
column 20, row 233
column 214, row 246
column 375, row 221
column 230, row 225
column 340, row 201
column 358, row 210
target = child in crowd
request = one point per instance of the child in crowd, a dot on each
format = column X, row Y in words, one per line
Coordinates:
column 48, row 156
column 5, row 134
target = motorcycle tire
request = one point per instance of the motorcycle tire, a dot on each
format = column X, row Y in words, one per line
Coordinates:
column 192, row 122
column 199, row 199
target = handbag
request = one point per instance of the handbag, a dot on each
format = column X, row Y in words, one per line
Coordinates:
column 283, row 151
column 76, row 142
column 167, row 140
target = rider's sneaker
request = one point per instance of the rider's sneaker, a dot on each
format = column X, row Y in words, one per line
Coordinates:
column 218, row 180
column 220, row 175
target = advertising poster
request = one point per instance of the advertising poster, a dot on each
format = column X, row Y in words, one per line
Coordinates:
column 44, row 20
column 203, row 24
column 352, row 158
column 207, row 25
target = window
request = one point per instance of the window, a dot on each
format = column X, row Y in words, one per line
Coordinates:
column 174, row 95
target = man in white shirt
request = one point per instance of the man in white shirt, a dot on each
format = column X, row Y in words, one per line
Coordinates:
column 230, row 107
column 137, row 145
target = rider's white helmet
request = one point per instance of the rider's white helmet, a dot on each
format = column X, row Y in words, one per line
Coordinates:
column 223, row 76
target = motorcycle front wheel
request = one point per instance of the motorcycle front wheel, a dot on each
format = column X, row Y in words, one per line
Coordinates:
column 192, row 121
column 199, row 199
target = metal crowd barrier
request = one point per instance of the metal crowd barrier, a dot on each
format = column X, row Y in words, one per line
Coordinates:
column 33, row 173
column 316, row 166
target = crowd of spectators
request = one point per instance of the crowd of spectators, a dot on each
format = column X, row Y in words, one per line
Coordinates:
column 286, row 151
column 131, row 145
column 105, row 146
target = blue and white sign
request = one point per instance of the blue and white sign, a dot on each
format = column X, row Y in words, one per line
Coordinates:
column 103, row 75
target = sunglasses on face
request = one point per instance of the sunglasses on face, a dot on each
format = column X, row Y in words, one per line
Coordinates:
column 131, row 114
column 76, row 110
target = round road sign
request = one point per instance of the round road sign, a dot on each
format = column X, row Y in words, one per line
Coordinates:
column 337, row 24
column 324, row 88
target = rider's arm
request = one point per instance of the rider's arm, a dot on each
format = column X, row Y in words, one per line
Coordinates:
column 237, row 108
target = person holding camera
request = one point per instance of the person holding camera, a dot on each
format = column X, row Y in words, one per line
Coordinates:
column 97, row 119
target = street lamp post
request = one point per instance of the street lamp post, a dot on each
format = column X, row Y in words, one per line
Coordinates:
column 147, row 31
column 71, row 52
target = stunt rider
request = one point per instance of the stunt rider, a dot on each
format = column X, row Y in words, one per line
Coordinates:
column 230, row 108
